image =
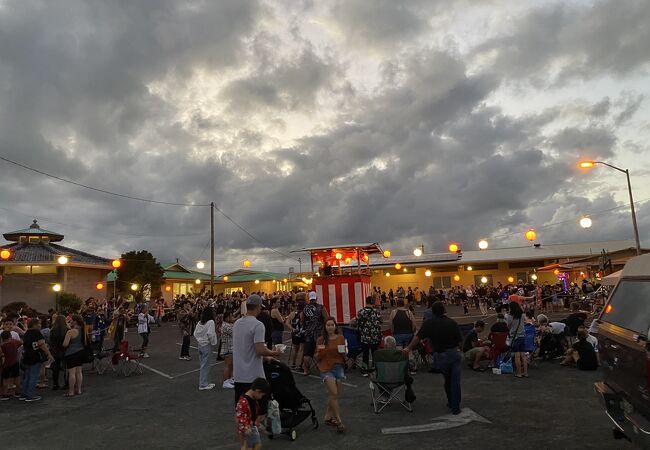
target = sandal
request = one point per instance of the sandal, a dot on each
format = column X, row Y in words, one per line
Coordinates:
column 332, row 422
column 340, row 428
column 519, row 376
column 68, row 395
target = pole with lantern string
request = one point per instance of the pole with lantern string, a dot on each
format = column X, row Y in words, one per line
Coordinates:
column 212, row 249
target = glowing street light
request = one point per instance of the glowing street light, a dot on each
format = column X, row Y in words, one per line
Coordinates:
column 116, row 263
column 590, row 164
column 585, row 222
column 99, row 286
column 418, row 251
column 483, row 244
column 56, row 287
column 453, row 247
column 62, row 260
column 200, row 265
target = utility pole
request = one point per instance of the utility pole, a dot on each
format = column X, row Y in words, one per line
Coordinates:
column 212, row 249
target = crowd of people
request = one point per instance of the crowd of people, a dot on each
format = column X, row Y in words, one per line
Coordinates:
column 245, row 329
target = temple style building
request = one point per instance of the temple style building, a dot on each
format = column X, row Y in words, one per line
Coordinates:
column 34, row 266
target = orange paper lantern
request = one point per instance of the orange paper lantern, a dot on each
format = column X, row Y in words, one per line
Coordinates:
column 511, row 280
column 387, row 253
column 99, row 286
column 456, row 277
column 453, row 247
column 116, row 264
column 247, row 263
column 364, row 258
column 5, row 254
column 398, row 266
column 531, row 235
column 338, row 256
column 226, row 278
column 168, row 288
column 556, row 271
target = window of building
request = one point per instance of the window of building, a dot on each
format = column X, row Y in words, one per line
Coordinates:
column 22, row 239
column 43, row 269
column 523, row 276
column 232, row 290
column 9, row 270
column 441, row 282
column 182, row 288
column 34, row 239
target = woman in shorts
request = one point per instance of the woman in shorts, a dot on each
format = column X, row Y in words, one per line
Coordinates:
column 297, row 334
column 75, row 342
column 331, row 349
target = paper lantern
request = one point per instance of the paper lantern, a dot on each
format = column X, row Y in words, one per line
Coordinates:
column 483, row 244
column 556, row 271
column 364, row 258
column 427, row 273
column 531, row 235
column 453, row 248
column 338, row 256
column 5, row 254
column 398, row 266
column 484, row 280
column 511, row 280
column 470, row 268
column 168, row 288
column 257, row 281
column 99, row 286
column 533, row 277
column 197, row 281
column 585, row 222
column 247, row 263
column 134, row 287
column 56, row 287
column 387, row 274
column 456, row 277
column 387, row 253
column 284, row 280
column 417, row 252
column 62, row 260
column 200, row 265
column 226, row 278
column 608, row 309
column 116, row 264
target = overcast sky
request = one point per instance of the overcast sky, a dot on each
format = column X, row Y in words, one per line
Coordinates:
column 399, row 122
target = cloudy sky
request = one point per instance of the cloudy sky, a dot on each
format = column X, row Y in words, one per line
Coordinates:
column 401, row 122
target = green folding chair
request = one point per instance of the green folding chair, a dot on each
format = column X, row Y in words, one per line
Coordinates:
column 387, row 384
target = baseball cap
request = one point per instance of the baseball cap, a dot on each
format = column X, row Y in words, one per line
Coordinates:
column 313, row 296
column 254, row 300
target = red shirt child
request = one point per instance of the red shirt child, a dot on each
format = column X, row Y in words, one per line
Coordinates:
column 246, row 414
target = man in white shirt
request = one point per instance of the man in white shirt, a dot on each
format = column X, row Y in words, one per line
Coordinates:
column 249, row 349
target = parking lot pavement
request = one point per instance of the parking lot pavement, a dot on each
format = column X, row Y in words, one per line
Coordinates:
column 162, row 408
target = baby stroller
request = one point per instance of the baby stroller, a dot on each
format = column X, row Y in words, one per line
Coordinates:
column 295, row 408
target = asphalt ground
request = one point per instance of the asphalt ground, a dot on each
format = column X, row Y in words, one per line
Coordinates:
column 163, row 409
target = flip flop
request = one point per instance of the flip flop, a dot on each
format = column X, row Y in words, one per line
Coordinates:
column 68, row 395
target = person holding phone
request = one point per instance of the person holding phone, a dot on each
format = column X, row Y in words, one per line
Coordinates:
column 331, row 349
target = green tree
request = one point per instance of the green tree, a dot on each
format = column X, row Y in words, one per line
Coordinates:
column 69, row 302
column 141, row 268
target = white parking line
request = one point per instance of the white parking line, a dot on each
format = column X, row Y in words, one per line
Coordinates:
column 156, row 371
column 195, row 370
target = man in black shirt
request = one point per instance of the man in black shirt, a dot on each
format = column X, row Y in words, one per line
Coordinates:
column 474, row 349
column 35, row 353
column 445, row 338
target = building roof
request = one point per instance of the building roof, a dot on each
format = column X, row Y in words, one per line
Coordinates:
column 243, row 275
column 33, row 230
column 369, row 248
column 526, row 253
column 44, row 254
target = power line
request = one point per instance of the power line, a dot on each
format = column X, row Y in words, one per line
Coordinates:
column 65, row 180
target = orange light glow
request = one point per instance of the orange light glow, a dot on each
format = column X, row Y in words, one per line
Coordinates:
column 456, row 277
column 338, row 256
column 387, row 253
column 531, row 235
column 247, row 263
column 556, row 271
column 364, row 258
column 348, row 260
column 116, row 264
column 5, row 254
column 453, row 247
column 226, row 278
column 168, row 288
column 608, row 309
column 511, row 280
column 99, row 286
column 586, row 164
column 398, row 266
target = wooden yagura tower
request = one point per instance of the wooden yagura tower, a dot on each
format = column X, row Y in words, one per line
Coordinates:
column 342, row 277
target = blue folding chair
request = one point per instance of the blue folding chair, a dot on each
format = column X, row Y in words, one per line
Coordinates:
column 351, row 335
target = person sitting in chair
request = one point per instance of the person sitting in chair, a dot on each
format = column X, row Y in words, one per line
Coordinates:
column 390, row 354
column 475, row 351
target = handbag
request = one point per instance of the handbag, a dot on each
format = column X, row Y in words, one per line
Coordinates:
column 505, row 365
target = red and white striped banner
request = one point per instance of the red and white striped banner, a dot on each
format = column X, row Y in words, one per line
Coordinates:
column 343, row 296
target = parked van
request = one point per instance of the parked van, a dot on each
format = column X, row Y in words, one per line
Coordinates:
column 623, row 330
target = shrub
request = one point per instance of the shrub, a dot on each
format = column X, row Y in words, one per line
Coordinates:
column 69, row 302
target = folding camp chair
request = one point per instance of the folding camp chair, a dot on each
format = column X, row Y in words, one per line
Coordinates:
column 126, row 363
column 498, row 346
column 351, row 335
column 388, row 384
column 101, row 360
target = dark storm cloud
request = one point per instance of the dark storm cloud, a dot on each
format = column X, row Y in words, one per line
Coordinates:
column 571, row 40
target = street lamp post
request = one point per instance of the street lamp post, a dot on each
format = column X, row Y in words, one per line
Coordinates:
column 588, row 164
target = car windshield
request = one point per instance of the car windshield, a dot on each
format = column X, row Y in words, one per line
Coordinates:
column 629, row 306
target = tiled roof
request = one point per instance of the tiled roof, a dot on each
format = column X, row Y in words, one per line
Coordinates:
column 33, row 230
column 49, row 253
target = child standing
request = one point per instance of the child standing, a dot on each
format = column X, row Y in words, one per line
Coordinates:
column 246, row 415
column 144, row 319
column 10, row 368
